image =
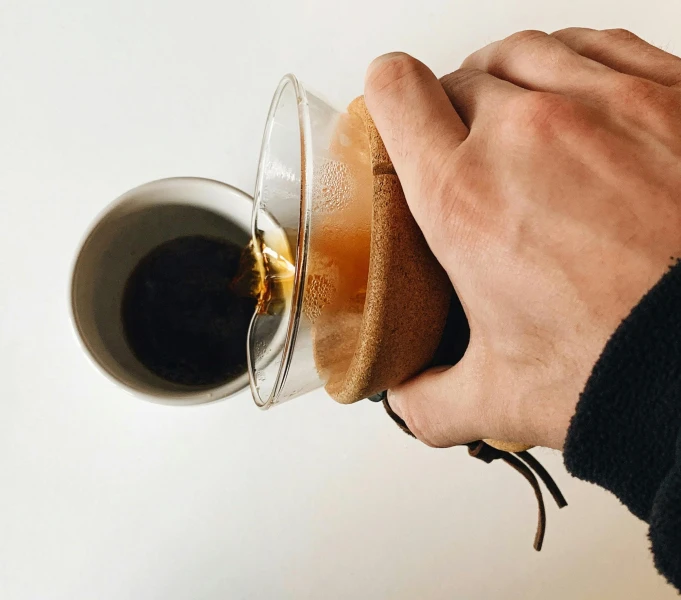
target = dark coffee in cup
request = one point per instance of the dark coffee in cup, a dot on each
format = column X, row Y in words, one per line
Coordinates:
column 182, row 316
column 156, row 298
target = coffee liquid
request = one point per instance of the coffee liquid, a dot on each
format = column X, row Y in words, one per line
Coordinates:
column 339, row 252
column 183, row 316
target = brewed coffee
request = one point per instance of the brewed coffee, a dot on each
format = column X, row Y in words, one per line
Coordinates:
column 182, row 317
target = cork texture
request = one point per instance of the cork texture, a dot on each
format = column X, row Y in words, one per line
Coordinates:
column 408, row 292
column 507, row 446
column 380, row 161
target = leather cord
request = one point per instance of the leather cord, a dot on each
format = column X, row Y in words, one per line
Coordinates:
column 523, row 462
column 543, row 474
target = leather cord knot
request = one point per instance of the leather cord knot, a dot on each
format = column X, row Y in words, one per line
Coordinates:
column 522, row 462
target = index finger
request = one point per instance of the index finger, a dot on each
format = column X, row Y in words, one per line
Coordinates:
column 417, row 122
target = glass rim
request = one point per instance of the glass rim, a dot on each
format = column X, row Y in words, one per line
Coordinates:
column 303, row 237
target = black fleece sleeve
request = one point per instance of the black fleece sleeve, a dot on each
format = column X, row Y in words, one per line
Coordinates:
column 626, row 433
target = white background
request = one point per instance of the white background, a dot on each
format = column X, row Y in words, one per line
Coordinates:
column 103, row 496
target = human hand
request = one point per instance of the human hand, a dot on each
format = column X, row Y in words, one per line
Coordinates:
column 545, row 175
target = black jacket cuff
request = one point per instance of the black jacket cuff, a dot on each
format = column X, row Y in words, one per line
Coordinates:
column 625, row 433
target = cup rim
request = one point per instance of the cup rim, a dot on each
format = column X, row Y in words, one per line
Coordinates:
column 188, row 398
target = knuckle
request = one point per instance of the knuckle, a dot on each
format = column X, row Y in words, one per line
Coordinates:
column 523, row 37
column 520, row 41
column 419, row 423
column 567, row 33
column 392, row 75
column 659, row 105
column 618, row 34
column 460, row 87
column 576, row 38
column 424, row 434
column 519, row 47
column 498, row 54
column 459, row 77
column 599, row 44
column 635, row 89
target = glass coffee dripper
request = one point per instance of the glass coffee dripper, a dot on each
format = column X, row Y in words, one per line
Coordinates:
column 311, row 233
column 306, row 264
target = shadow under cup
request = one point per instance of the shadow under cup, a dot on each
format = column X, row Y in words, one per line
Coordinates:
column 135, row 224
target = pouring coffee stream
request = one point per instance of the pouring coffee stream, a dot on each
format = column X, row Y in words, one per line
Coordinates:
column 264, row 274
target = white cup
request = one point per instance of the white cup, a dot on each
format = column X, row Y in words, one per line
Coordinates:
column 124, row 233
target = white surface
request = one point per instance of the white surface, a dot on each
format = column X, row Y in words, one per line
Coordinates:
column 107, row 497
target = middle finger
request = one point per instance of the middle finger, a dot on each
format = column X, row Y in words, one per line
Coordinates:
column 536, row 61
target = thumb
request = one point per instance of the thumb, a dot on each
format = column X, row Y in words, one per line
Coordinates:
column 442, row 406
column 418, row 125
